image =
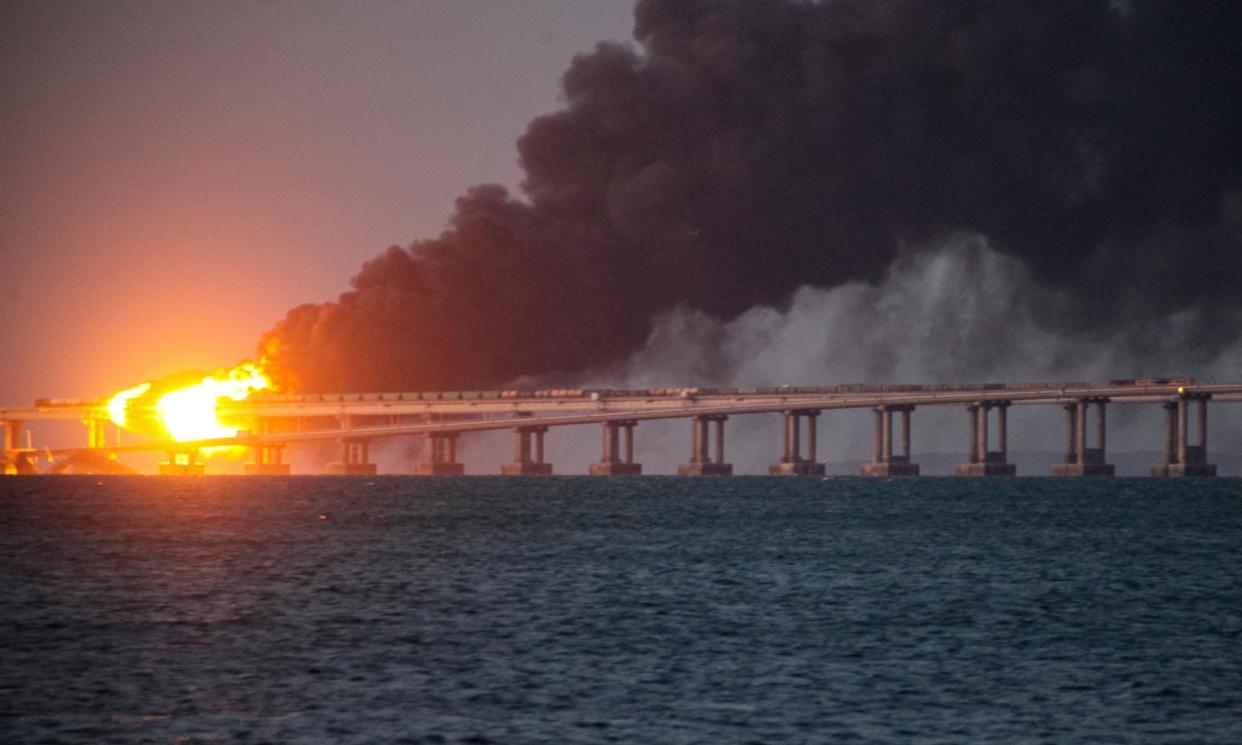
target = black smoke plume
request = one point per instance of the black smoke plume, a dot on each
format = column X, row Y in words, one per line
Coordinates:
column 749, row 147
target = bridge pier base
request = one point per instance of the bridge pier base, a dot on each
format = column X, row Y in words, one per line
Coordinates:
column 11, row 462
column 885, row 462
column 267, row 457
column 443, row 452
column 701, row 461
column 1081, row 460
column 1180, row 457
column 355, row 459
column 617, row 460
column 985, row 462
column 184, row 463
column 792, row 461
column 527, row 453
column 18, row 463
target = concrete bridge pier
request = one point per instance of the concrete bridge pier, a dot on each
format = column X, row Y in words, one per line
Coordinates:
column 701, row 462
column 96, row 432
column 618, row 455
column 793, row 463
column 527, row 453
column 1081, row 460
column 885, row 462
column 13, row 462
column 182, row 463
column 268, row 456
column 1180, row 457
column 355, row 458
column 984, row 461
column 267, row 461
column 442, row 456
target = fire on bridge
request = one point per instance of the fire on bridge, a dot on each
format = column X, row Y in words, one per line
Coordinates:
column 274, row 421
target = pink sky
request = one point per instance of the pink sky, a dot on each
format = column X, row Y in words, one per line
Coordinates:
column 178, row 175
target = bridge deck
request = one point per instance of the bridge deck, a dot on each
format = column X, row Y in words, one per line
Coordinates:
column 479, row 411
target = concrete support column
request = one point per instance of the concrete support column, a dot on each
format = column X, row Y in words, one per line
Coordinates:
column 886, row 437
column 1181, row 458
column 1101, row 426
column 1080, row 425
column 705, row 465
column 13, row 434
column 905, row 432
column 720, row 442
column 983, row 462
column 973, row 449
column 11, row 462
column 355, row 459
column 1079, row 459
column 528, row 456
column 812, row 433
column 1170, row 432
column 1182, row 415
column 96, row 432
column 521, row 446
column 609, row 454
column 1071, row 433
column 1203, row 427
column 879, row 435
column 793, row 463
column 539, row 432
column 981, row 446
column 618, row 459
column 793, row 426
column 887, row 463
column 441, row 456
column 787, row 452
column 1002, row 430
column 267, row 461
column 182, row 463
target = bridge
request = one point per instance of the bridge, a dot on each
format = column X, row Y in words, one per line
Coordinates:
column 356, row 420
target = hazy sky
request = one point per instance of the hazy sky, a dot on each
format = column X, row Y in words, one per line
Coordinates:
column 177, row 175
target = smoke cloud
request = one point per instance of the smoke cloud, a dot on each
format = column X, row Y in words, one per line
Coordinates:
column 745, row 149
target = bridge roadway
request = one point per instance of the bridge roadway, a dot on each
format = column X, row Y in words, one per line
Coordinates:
column 359, row 418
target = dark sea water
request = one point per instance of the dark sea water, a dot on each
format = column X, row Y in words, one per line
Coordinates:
column 656, row 610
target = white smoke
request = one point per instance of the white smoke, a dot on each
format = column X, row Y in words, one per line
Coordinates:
column 963, row 314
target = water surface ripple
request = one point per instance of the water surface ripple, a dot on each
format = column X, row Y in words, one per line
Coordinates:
column 653, row 610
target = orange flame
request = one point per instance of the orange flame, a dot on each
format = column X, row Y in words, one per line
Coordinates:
column 190, row 412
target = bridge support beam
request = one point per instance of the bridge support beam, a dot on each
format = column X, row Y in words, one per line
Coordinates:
column 355, row 459
column 983, row 461
column 1080, row 459
column 182, row 463
column 442, row 456
column 528, row 453
column 618, row 455
column 1180, row 457
column 701, row 461
column 793, row 462
column 885, row 462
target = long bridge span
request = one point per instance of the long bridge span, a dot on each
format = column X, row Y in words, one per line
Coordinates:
column 356, row 420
